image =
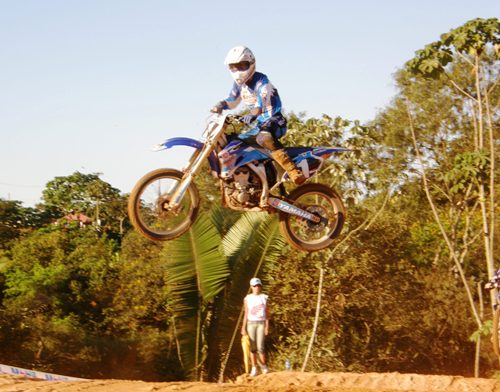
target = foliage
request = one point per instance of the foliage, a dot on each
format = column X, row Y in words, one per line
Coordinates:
column 348, row 170
column 54, row 292
column 468, row 167
column 87, row 194
column 469, row 39
column 139, row 317
column 197, row 273
column 10, row 221
column 208, row 276
column 16, row 220
column 252, row 243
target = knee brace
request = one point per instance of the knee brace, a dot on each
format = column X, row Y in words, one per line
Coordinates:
column 266, row 140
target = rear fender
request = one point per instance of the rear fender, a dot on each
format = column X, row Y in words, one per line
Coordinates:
column 294, row 152
column 188, row 142
column 311, row 159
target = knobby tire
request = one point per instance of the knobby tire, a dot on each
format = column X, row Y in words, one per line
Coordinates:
column 134, row 206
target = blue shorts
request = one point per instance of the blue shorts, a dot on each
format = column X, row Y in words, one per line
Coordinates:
column 276, row 125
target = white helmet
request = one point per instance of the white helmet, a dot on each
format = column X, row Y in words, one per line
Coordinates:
column 241, row 63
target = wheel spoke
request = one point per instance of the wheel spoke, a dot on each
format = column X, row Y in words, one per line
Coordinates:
column 318, row 205
column 149, row 208
column 321, row 201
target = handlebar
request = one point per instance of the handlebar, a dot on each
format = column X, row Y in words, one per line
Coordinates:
column 231, row 118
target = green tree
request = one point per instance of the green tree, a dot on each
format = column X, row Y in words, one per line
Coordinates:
column 16, row 219
column 88, row 194
column 11, row 221
column 350, row 172
column 197, row 273
column 208, row 276
column 474, row 48
column 251, row 244
column 139, row 320
column 56, row 287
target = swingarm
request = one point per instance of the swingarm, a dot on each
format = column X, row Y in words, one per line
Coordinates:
column 293, row 210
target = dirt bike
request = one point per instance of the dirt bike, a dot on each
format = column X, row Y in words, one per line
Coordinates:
column 165, row 202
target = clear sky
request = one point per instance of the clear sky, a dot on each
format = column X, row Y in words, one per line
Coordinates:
column 91, row 85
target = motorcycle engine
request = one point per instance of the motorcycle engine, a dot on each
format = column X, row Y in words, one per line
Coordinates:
column 243, row 190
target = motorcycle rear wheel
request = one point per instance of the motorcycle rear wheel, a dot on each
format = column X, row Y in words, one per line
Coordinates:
column 321, row 201
column 148, row 201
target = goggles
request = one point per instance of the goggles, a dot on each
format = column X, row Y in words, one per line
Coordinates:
column 241, row 66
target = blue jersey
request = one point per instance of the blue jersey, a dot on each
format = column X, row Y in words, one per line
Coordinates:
column 258, row 92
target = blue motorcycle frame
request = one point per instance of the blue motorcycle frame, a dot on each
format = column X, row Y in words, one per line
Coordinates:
column 164, row 203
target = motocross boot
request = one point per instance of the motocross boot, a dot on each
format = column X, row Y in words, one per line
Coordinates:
column 286, row 163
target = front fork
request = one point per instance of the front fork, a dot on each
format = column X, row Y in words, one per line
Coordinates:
column 194, row 165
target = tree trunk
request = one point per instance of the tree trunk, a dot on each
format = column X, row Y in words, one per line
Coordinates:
column 316, row 318
column 451, row 249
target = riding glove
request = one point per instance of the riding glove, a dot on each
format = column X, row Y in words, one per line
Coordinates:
column 249, row 118
column 219, row 107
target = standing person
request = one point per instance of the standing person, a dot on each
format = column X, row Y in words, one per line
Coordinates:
column 256, row 324
column 256, row 91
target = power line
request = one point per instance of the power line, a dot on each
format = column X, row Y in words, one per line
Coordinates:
column 21, row 185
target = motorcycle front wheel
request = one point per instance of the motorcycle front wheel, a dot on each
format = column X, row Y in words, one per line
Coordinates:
column 148, row 208
column 319, row 200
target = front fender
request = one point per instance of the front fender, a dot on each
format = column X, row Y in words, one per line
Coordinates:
column 179, row 141
column 186, row 141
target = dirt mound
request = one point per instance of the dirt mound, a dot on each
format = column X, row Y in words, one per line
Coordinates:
column 375, row 382
column 273, row 382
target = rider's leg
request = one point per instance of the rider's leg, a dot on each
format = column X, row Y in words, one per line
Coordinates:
column 250, row 134
column 266, row 140
column 286, row 163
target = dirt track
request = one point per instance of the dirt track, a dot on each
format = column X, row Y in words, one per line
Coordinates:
column 273, row 382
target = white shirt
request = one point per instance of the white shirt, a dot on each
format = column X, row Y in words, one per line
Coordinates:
column 256, row 306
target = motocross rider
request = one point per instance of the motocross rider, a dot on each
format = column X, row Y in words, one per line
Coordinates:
column 256, row 91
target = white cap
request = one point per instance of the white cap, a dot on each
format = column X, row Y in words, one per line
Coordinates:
column 255, row 282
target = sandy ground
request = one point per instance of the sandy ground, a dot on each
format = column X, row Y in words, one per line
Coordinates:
column 272, row 382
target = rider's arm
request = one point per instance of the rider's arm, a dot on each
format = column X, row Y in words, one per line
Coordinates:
column 234, row 97
column 230, row 102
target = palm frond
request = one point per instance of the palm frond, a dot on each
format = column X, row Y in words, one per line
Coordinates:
column 195, row 262
column 267, row 246
column 242, row 234
column 223, row 219
column 197, row 271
